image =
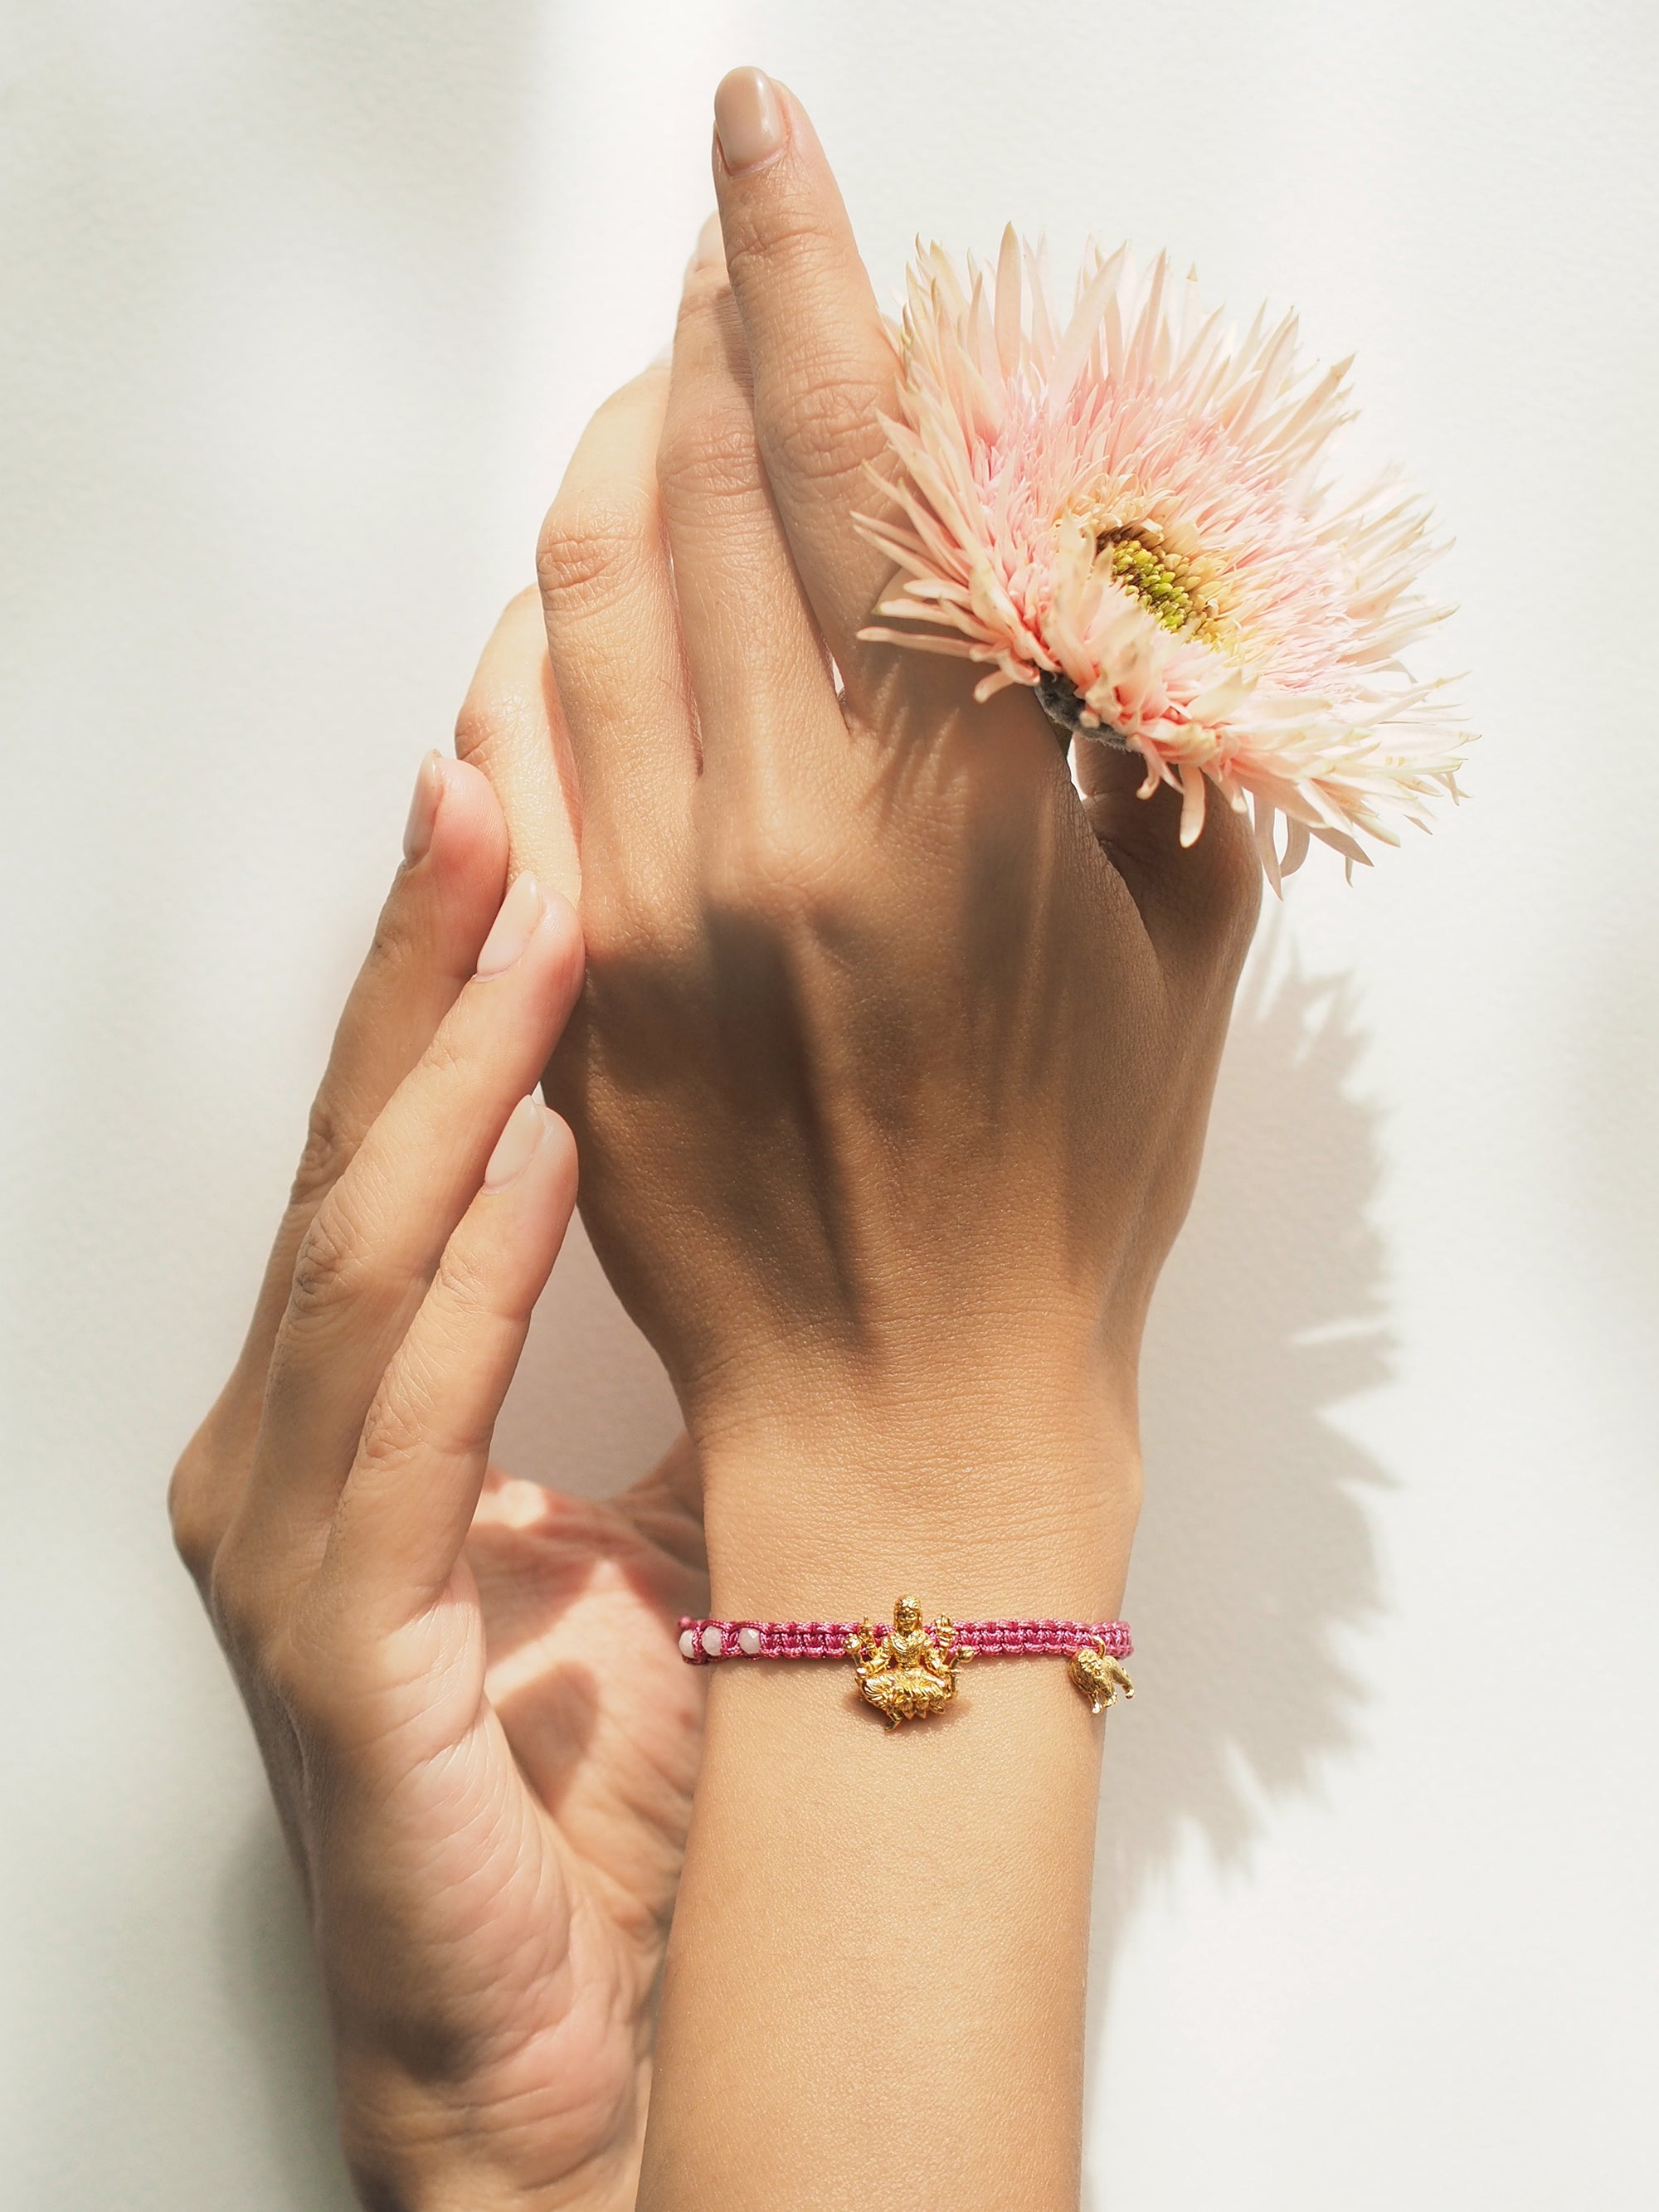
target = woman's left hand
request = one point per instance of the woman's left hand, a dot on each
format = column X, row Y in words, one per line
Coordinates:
column 478, row 1727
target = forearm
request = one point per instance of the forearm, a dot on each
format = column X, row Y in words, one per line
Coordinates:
column 877, row 1971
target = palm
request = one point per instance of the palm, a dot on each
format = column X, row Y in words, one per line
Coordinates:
column 580, row 1599
column 542, row 1833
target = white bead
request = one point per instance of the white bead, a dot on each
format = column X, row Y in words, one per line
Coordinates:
column 748, row 1641
column 712, row 1642
column 688, row 1644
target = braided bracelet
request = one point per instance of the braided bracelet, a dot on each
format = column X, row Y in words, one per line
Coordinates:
column 909, row 1671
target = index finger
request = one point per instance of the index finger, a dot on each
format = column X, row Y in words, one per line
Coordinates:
column 823, row 370
column 440, row 906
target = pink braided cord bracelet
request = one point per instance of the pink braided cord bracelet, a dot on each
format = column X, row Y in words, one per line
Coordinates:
column 703, row 1642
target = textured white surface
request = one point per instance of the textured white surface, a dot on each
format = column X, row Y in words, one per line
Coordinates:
column 303, row 305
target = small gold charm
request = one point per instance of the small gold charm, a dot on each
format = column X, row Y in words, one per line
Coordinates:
column 907, row 1672
column 1098, row 1676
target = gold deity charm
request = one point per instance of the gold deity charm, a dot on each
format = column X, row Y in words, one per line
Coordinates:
column 1098, row 1676
column 907, row 1672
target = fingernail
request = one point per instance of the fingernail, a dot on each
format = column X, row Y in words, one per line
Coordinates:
column 747, row 119
column 516, row 1146
column 423, row 809
column 521, row 909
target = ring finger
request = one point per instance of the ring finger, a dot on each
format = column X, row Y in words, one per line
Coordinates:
column 612, row 637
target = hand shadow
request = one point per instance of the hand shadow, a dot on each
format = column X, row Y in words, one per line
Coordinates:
column 1254, row 1559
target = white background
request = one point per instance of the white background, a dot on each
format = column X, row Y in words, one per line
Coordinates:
column 303, row 306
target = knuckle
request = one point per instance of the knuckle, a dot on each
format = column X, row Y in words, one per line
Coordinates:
column 624, row 926
column 827, row 429
column 479, row 727
column 449, row 1059
column 711, row 460
column 706, row 296
column 508, row 689
column 589, row 546
column 780, row 873
column 193, row 1512
column 397, row 1429
column 787, row 254
column 414, row 1424
column 327, row 1268
column 269, row 1627
column 329, row 1140
column 491, row 714
column 465, row 1281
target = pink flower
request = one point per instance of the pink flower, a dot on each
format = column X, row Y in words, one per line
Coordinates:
column 1132, row 517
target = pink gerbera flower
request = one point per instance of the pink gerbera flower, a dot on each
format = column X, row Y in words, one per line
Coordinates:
column 1132, row 517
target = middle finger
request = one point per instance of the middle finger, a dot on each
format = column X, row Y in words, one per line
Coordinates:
column 757, row 661
column 824, row 373
column 425, row 942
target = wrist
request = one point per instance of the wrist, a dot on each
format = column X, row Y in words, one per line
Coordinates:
column 450, row 2182
column 989, row 1491
column 413, row 2149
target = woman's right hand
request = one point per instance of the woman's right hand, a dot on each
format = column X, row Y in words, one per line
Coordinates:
column 890, row 1078
column 892, row 1069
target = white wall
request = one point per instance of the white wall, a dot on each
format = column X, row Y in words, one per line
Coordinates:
column 304, row 304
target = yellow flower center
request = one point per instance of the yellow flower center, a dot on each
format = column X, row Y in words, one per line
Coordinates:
column 1174, row 588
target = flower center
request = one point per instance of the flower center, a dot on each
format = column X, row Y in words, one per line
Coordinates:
column 1174, row 588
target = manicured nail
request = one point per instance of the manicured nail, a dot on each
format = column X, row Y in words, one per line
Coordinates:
column 516, row 1146
column 423, row 809
column 747, row 119
column 521, row 909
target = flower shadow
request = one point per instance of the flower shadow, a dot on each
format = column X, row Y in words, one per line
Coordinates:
column 1255, row 1560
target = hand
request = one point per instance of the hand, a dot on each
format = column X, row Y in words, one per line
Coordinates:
column 480, row 1735
column 891, row 1076
column 892, row 1069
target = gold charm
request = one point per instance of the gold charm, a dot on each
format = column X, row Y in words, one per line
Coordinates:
column 1098, row 1675
column 907, row 1672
